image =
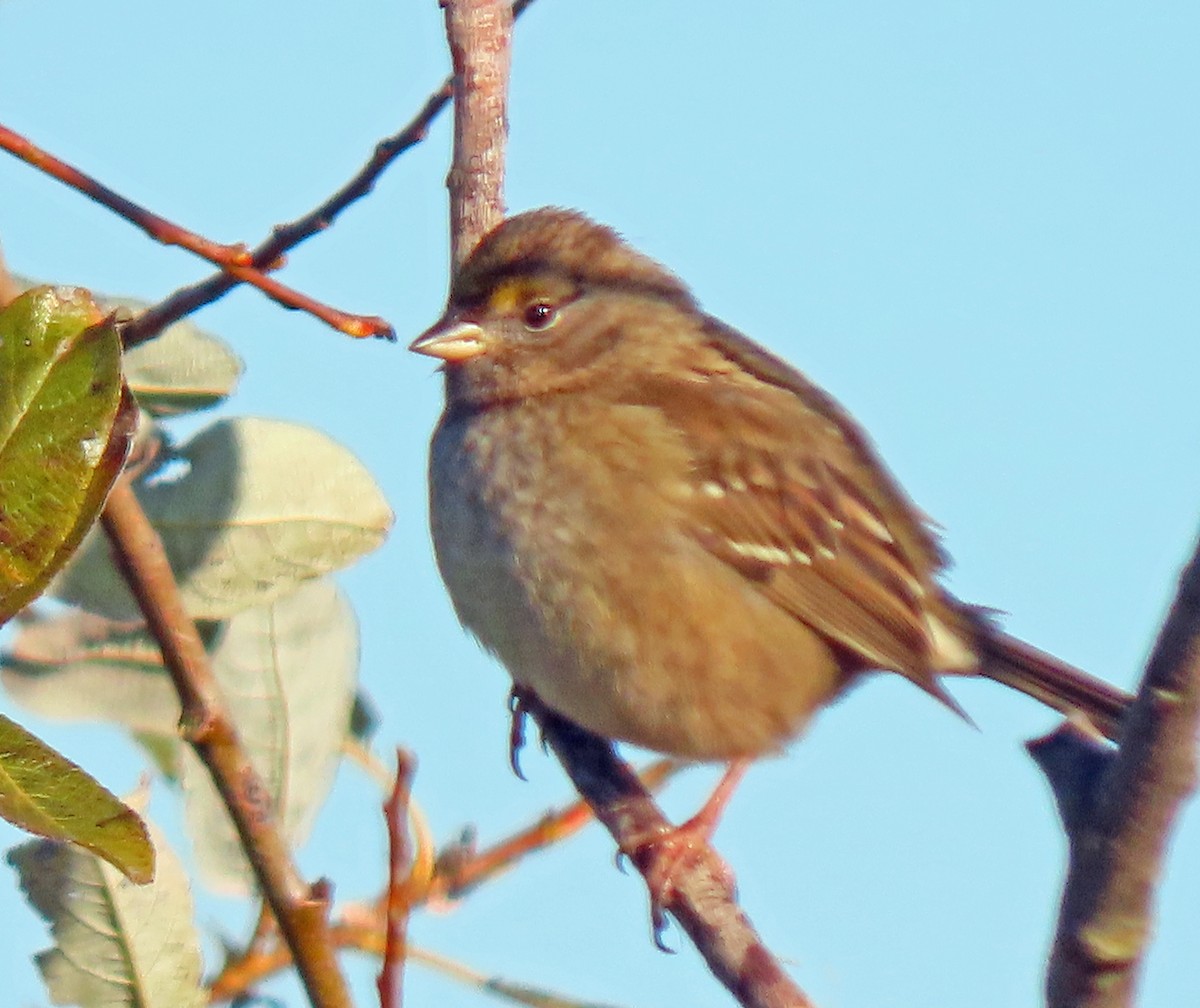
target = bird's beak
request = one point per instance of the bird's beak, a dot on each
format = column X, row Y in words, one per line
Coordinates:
column 450, row 340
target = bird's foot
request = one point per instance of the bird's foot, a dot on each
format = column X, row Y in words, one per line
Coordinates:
column 666, row 857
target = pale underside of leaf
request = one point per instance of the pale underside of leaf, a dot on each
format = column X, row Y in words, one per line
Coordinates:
column 264, row 506
column 288, row 672
column 117, row 945
column 182, row 370
column 77, row 666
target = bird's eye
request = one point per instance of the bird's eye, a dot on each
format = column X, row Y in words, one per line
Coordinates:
column 540, row 315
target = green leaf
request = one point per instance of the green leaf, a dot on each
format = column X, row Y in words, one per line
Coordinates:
column 65, row 426
column 263, row 507
column 181, row 370
column 288, row 672
column 43, row 792
column 116, row 944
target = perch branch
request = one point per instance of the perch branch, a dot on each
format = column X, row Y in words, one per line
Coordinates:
column 480, row 37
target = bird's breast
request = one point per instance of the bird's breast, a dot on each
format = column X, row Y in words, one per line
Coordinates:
column 560, row 537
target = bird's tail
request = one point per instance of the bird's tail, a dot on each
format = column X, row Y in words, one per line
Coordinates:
column 1058, row 685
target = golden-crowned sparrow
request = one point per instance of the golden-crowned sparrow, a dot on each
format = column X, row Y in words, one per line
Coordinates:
column 666, row 533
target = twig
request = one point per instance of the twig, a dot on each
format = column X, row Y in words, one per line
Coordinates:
column 233, row 259
column 460, row 871
column 362, row 935
column 364, row 927
column 158, row 228
column 398, row 902
column 1118, row 809
column 300, row 909
column 287, row 236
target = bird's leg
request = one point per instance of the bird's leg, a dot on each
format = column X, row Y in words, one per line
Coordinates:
column 663, row 855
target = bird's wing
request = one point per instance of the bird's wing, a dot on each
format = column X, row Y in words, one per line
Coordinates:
column 785, row 489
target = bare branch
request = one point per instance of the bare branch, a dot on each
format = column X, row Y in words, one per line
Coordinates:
column 1118, row 809
column 287, row 236
column 301, row 910
column 702, row 897
column 233, row 259
column 479, row 33
column 462, row 869
column 398, row 901
column 458, row 871
column 158, row 228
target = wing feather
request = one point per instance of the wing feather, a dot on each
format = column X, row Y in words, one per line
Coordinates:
column 789, row 492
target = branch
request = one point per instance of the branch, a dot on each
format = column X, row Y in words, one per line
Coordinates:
column 701, row 896
column 461, row 869
column 1118, row 808
column 233, row 259
column 480, row 37
column 458, row 870
column 300, row 909
column 398, row 901
column 287, row 236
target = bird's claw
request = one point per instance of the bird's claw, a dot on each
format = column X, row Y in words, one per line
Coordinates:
column 517, row 709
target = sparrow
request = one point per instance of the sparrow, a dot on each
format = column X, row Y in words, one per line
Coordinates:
column 667, row 534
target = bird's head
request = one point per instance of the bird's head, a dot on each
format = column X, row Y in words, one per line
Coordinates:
column 541, row 305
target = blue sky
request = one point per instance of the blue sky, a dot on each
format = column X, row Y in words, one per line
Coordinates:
column 975, row 224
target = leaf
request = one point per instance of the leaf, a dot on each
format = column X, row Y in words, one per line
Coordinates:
column 116, row 944
column 43, row 792
column 264, row 506
column 287, row 670
column 65, row 426
column 78, row 666
column 182, row 370
column 288, row 673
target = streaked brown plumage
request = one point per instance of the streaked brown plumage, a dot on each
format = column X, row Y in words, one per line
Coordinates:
column 668, row 534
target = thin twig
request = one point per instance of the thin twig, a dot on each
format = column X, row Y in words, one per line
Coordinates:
column 1118, row 809
column 461, row 870
column 158, row 228
column 233, row 259
column 426, row 884
column 363, row 935
column 300, row 909
column 398, row 903
column 287, row 236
